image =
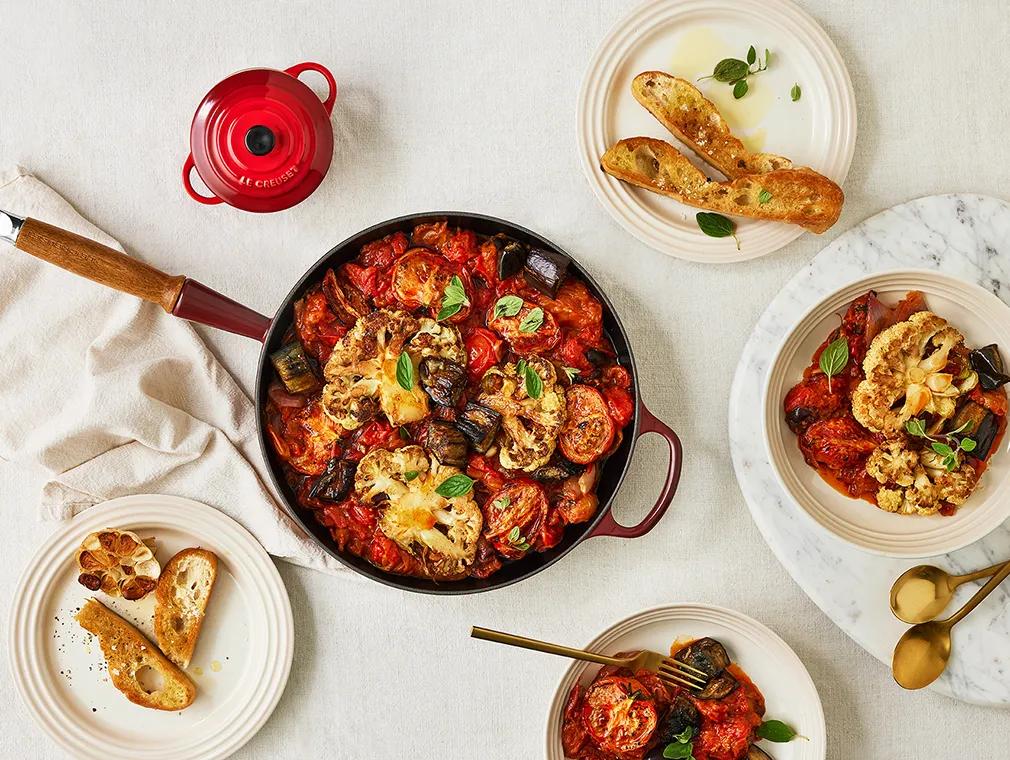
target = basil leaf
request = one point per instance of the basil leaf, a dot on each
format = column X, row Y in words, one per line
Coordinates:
column 967, row 444
column 534, row 385
column 405, row 372
column 916, row 427
column 457, row 485
column 764, row 196
column 685, row 736
column 768, row 57
column 448, row 311
column 571, row 372
column 532, row 321
column 715, row 225
column 678, row 751
column 751, row 55
column 834, row 358
column 795, row 93
column 409, row 475
column 776, row 731
column 740, row 89
column 942, row 449
column 950, row 463
column 521, row 367
column 508, row 306
column 730, row 70
column 453, row 299
column 513, row 535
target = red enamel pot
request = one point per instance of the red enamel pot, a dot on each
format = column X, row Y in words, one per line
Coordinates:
column 191, row 300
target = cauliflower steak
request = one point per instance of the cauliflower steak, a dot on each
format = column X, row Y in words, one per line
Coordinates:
column 440, row 533
column 529, row 426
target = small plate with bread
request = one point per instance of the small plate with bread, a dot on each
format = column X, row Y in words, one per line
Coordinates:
column 717, row 132
column 151, row 627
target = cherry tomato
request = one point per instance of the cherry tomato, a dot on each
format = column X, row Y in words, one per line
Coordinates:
column 620, row 405
column 382, row 253
column 461, row 247
column 317, row 326
column 485, row 263
column 419, row 278
column 485, row 470
column 573, row 732
column 513, row 518
column 619, row 714
column 588, row 428
column 543, row 338
column 309, row 439
column 431, row 234
column 483, row 351
column 574, row 307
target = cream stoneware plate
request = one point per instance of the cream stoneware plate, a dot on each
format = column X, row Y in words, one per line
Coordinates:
column 687, row 38
column 790, row 694
column 240, row 665
column 982, row 318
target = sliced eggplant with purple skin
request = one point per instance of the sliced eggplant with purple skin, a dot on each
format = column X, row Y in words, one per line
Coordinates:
column 557, row 469
column 988, row 363
column 978, row 423
column 479, row 424
column 511, row 256
column 710, row 657
column 682, row 715
column 336, row 481
column 446, row 443
column 295, row 369
column 545, row 270
column 442, row 380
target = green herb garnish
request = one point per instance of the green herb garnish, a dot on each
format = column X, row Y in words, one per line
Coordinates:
column 717, row 226
column 949, row 448
column 409, row 475
column 735, row 72
column 457, row 485
column 834, row 358
column 532, row 321
column 534, row 385
column 517, row 540
column 795, row 93
column 776, row 731
column 405, row 372
column 571, row 372
column 681, row 748
column 453, row 299
column 508, row 306
column 764, row 196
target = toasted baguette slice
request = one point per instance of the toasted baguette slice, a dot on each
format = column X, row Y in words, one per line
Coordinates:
column 182, row 596
column 798, row 196
column 695, row 121
column 127, row 652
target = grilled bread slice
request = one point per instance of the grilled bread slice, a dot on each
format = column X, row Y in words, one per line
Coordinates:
column 796, row 196
column 695, row 121
column 182, row 596
column 127, row 653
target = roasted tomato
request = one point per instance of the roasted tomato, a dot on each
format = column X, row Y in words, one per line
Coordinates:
column 513, row 518
column 588, row 430
column 809, row 401
column 420, row 277
column 838, row 443
column 483, row 351
column 485, row 470
column 620, row 405
column 536, row 338
column 573, row 730
column 619, row 714
column 316, row 325
column 307, row 439
column 461, row 247
column 575, row 307
column 382, row 253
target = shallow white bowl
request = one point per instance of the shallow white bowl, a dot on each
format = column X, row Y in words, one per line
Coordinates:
column 982, row 318
column 790, row 694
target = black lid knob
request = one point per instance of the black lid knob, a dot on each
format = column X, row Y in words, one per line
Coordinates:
column 259, row 140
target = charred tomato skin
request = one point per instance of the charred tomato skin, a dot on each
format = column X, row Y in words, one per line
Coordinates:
column 589, row 429
column 514, row 517
column 619, row 714
column 538, row 341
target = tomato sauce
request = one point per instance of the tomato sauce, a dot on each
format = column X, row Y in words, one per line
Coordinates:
column 411, row 273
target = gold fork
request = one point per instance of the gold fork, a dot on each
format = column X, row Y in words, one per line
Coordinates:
column 668, row 670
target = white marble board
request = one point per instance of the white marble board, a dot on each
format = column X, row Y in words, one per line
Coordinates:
column 967, row 236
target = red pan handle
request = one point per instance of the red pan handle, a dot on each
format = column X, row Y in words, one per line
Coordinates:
column 649, row 423
column 176, row 294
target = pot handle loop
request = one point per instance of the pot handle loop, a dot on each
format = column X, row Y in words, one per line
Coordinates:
column 608, row 526
column 187, row 168
column 297, row 69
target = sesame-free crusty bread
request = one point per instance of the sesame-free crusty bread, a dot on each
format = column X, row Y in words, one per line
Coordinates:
column 695, row 121
column 798, row 196
column 182, row 596
column 127, row 652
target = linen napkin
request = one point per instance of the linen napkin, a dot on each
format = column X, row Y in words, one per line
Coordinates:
column 112, row 396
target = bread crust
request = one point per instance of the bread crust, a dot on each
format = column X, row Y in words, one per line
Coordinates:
column 797, row 196
column 182, row 596
column 127, row 651
column 695, row 121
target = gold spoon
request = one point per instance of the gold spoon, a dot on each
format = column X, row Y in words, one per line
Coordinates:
column 922, row 592
column 921, row 655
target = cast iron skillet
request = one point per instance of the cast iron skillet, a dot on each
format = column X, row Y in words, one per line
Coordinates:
column 191, row 300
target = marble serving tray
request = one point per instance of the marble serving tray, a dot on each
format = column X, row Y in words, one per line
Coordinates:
column 965, row 236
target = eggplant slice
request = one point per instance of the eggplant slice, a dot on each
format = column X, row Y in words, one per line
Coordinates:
column 479, row 423
column 544, row 270
column 559, row 468
column 511, row 256
column 446, row 443
column 335, row 482
column 683, row 714
column 988, row 363
column 295, row 369
column 710, row 657
column 442, row 380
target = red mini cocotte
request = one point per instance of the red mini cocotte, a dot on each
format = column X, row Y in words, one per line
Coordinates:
column 261, row 139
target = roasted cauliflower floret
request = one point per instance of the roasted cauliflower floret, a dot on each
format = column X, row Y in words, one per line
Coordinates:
column 530, row 426
column 361, row 372
column 440, row 533
column 905, row 376
column 918, row 484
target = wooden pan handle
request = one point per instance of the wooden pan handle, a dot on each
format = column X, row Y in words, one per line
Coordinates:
column 99, row 263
